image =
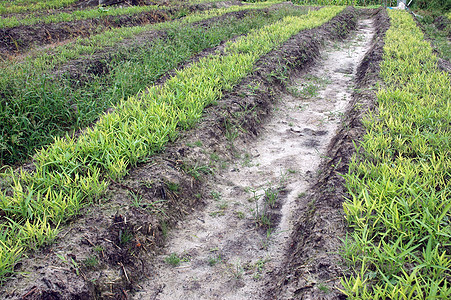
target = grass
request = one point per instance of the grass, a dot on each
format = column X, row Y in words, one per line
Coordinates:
column 77, row 15
column 269, row 196
column 91, row 261
column 399, row 186
column 439, row 37
column 343, row 2
column 40, row 108
column 173, row 259
column 88, row 46
column 73, row 171
column 214, row 260
column 32, row 5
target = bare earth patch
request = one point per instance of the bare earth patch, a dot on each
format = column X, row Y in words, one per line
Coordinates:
column 239, row 191
column 227, row 249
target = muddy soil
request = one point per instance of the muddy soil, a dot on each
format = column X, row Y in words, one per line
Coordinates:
column 230, row 237
column 17, row 40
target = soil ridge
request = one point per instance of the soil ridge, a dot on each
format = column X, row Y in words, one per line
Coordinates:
column 151, row 186
column 313, row 258
column 17, row 40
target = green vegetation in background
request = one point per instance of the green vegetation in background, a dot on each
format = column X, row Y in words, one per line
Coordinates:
column 439, row 38
column 22, row 6
column 35, row 108
column 73, row 171
column 32, row 5
column 344, row 2
column 399, row 184
column 440, row 5
column 77, row 15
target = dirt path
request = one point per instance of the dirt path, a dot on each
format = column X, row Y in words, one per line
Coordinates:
column 226, row 250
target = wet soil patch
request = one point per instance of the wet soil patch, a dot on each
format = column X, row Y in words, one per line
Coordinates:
column 313, row 266
column 109, row 251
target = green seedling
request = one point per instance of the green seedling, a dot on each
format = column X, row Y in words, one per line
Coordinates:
column 137, row 199
column 173, row 259
column 70, row 262
column 98, row 249
column 198, row 171
column 214, row 260
column 125, row 236
column 173, row 187
column 216, row 195
column 240, row 215
column 91, row 261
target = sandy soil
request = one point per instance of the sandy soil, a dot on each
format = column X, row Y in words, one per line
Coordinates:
column 249, row 227
column 228, row 248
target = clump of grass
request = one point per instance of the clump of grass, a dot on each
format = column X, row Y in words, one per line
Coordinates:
column 91, row 261
column 173, row 259
column 173, row 187
column 439, row 37
column 399, row 185
column 214, row 260
column 125, row 236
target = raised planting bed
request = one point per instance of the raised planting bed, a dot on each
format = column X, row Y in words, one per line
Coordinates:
column 43, row 99
column 75, row 171
column 399, row 185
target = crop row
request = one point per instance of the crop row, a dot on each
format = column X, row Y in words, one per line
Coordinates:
column 342, row 2
column 36, row 107
column 26, row 5
column 400, row 187
column 73, row 171
column 14, row 21
column 23, row 6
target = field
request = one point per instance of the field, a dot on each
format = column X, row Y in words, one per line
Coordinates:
column 224, row 150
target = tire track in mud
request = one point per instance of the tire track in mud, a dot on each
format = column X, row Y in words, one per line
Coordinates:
column 229, row 249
